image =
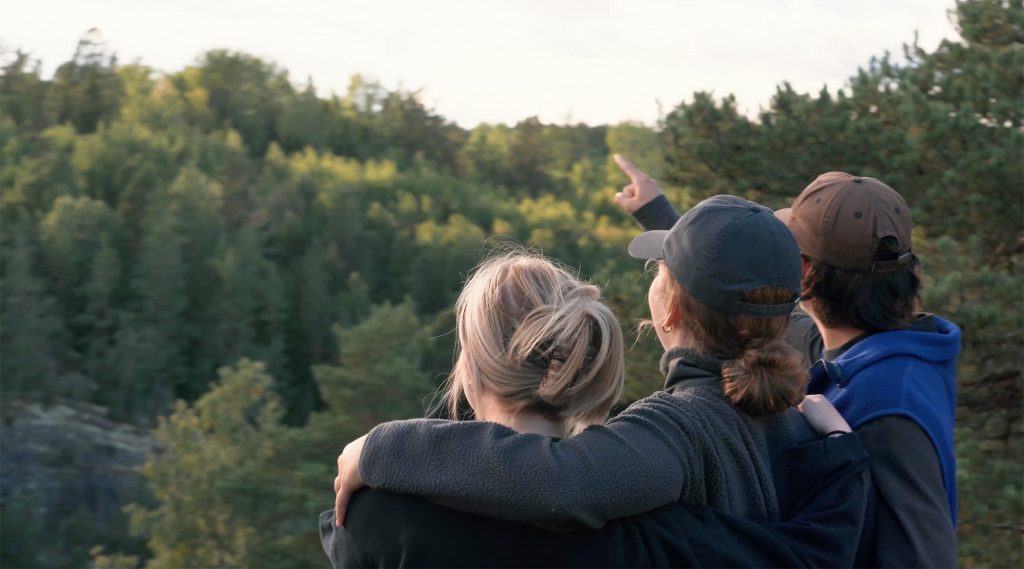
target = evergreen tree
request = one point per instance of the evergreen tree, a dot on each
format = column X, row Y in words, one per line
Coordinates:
column 99, row 318
column 23, row 92
column 86, row 90
column 308, row 342
column 218, row 481
column 71, row 234
column 304, row 121
column 160, row 287
column 245, row 93
column 194, row 201
column 527, row 159
column 379, row 374
column 354, row 301
column 250, row 312
column 30, row 330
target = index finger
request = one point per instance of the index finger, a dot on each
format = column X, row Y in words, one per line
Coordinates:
column 629, row 168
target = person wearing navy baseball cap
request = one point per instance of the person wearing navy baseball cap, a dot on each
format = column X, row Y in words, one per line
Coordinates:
column 728, row 278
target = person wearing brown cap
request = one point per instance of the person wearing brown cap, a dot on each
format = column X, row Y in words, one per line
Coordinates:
column 890, row 370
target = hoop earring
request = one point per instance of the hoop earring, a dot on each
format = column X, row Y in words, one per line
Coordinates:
column 666, row 329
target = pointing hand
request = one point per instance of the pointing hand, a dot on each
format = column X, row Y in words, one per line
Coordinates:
column 641, row 189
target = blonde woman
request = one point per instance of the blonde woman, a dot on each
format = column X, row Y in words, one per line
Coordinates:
column 540, row 357
column 538, row 350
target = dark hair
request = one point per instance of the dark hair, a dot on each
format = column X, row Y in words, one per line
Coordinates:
column 763, row 374
column 875, row 302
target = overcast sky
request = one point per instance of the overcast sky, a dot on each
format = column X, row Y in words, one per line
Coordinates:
column 596, row 61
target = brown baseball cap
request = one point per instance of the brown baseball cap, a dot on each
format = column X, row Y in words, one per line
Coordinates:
column 840, row 220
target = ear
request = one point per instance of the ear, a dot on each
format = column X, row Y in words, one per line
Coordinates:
column 805, row 265
column 674, row 315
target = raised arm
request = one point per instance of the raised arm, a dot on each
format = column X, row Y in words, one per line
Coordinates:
column 640, row 460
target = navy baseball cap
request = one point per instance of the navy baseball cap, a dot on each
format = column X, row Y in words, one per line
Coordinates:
column 722, row 248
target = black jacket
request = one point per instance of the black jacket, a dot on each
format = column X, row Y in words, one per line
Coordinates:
column 385, row 529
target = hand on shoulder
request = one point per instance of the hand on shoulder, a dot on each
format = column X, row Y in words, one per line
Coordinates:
column 822, row 416
column 348, row 479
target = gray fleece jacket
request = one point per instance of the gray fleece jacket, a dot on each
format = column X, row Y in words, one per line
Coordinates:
column 684, row 444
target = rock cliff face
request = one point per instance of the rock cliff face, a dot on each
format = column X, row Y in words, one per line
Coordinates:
column 66, row 472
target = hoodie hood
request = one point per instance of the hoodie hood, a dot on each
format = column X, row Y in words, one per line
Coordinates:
column 939, row 347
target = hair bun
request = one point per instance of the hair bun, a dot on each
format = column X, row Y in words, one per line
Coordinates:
column 766, row 380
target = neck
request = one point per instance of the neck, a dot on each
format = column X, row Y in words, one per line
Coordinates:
column 493, row 410
column 677, row 338
column 530, row 422
column 832, row 336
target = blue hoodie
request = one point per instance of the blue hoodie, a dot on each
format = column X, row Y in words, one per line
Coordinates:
column 904, row 372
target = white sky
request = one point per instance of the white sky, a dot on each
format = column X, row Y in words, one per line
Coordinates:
column 597, row 61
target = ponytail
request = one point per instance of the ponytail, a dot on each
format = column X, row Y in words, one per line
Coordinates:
column 576, row 345
column 767, row 380
column 762, row 374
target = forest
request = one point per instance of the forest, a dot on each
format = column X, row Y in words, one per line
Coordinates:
column 246, row 274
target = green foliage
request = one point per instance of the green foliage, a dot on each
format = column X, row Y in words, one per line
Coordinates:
column 983, row 298
column 71, row 235
column 29, row 334
column 161, row 285
column 941, row 127
column 86, row 90
column 214, row 459
column 159, row 227
column 236, row 487
column 380, row 367
column 22, row 92
column 244, row 93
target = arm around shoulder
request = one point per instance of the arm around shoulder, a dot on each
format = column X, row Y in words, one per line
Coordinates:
column 639, row 461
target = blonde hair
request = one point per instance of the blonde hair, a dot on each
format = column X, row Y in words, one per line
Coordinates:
column 762, row 374
column 536, row 336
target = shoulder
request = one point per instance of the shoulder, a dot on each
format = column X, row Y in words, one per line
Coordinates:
column 894, row 378
column 707, row 413
column 787, row 428
column 686, row 405
column 892, row 433
column 364, row 540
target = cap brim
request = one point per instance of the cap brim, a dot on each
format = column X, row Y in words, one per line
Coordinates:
column 784, row 215
column 648, row 245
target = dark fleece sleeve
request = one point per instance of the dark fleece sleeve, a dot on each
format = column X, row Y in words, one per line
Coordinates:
column 640, row 460
column 912, row 526
column 831, row 477
column 388, row 529
column 656, row 214
column 385, row 529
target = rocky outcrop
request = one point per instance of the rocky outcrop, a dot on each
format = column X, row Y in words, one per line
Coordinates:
column 66, row 473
